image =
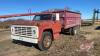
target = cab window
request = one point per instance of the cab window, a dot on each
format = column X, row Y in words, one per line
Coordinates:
column 43, row 17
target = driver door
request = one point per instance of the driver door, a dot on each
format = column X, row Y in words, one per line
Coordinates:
column 56, row 23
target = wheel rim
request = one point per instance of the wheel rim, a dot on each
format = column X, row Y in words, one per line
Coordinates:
column 47, row 41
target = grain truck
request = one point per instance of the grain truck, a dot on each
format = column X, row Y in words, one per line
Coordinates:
column 45, row 27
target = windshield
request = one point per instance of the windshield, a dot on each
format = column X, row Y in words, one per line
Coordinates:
column 43, row 17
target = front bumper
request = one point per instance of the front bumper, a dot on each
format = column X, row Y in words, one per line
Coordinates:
column 25, row 39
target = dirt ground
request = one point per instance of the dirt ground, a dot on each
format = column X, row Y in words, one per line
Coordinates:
column 66, row 46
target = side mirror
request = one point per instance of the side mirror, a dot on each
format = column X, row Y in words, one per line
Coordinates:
column 57, row 16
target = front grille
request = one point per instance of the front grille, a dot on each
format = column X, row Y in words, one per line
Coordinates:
column 23, row 31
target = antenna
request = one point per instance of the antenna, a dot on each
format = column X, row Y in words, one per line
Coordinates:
column 30, row 11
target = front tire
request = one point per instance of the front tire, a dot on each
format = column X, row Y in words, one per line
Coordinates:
column 46, row 41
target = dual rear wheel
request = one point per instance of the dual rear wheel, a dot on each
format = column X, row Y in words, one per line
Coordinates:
column 74, row 30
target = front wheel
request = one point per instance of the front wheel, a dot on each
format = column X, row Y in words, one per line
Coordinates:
column 46, row 41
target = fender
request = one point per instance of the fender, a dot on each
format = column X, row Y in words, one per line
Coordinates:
column 41, row 30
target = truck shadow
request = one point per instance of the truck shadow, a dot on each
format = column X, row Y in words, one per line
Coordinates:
column 25, row 44
column 65, row 33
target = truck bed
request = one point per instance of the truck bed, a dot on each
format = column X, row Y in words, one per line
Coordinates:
column 71, row 19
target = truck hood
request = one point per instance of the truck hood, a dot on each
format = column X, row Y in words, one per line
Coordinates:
column 31, row 23
column 28, row 23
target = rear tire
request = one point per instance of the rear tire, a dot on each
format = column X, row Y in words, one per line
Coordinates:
column 46, row 41
column 75, row 30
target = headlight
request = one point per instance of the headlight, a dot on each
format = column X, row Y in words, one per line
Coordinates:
column 35, row 32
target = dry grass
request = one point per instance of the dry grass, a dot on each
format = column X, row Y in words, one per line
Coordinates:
column 66, row 46
column 96, row 50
